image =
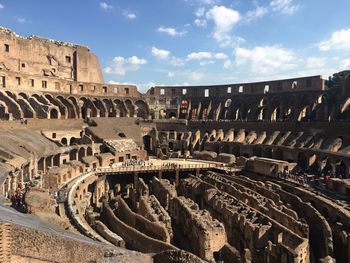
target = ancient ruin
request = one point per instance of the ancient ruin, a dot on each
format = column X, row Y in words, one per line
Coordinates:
column 96, row 172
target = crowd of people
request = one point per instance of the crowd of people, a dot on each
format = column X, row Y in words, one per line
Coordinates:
column 134, row 162
column 303, row 177
column 143, row 163
column 296, row 176
column 18, row 196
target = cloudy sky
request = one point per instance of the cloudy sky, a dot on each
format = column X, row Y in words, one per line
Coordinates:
column 191, row 42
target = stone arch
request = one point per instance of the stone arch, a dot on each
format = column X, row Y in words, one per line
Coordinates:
column 3, row 110
column 53, row 114
column 89, row 151
column 276, row 114
column 101, row 107
column 56, row 160
column 110, row 107
column 64, row 141
column 13, row 108
column 88, row 109
column 120, row 108
column 70, row 108
column 142, row 109
column 73, row 141
column 73, row 154
column 74, row 102
column 130, row 107
column 304, row 114
column 28, row 111
column 58, row 105
column 81, row 153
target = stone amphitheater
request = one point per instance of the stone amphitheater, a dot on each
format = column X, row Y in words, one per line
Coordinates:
column 95, row 172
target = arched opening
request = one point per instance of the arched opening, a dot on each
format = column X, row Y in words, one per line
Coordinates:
column 304, row 114
column 147, row 142
column 73, row 154
column 341, row 169
column 64, row 141
column 288, row 114
column 53, row 114
column 267, row 153
column 302, row 161
column 237, row 114
column 88, row 151
column 81, row 154
column 276, row 114
column 142, row 109
column 327, row 170
column 56, row 160
column 130, row 108
column 257, row 151
column 278, row 154
column 262, row 113
column 73, row 141
column 315, row 168
column 235, row 150
column 172, row 115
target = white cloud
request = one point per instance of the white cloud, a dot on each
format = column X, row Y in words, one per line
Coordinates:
column 160, row 53
column 339, row 40
column 129, row 15
column 200, row 22
column 144, row 87
column 206, row 62
column 177, row 62
column 199, row 55
column 200, row 12
column 224, row 19
column 202, row 2
column 265, row 59
column 345, row 64
column 287, row 7
column 256, row 13
column 220, row 56
column 120, row 65
column 2, row 6
column 21, row 20
column 314, row 62
column 195, row 75
column 105, row 6
column 227, row 63
column 171, row 75
column 205, row 55
column 171, row 31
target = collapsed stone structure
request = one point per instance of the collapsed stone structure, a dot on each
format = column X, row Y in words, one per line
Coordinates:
column 92, row 161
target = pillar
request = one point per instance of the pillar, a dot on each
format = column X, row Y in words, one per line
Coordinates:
column 197, row 172
column 136, row 178
column 177, row 177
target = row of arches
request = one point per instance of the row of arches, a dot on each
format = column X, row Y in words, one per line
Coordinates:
column 47, row 106
column 309, row 106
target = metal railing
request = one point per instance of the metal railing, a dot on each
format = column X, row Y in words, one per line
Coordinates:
column 140, row 168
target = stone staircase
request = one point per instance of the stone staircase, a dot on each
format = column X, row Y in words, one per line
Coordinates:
column 5, row 243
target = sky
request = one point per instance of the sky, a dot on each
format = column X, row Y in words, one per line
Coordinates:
column 194, row 42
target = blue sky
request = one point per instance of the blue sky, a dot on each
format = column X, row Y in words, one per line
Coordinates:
column 191, row 42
